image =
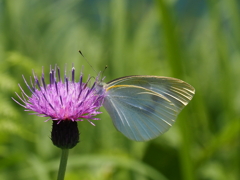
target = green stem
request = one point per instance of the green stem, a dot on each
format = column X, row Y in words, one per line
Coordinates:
column 63, row 164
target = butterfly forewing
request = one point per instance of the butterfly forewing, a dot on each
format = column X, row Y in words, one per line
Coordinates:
column 143, row 107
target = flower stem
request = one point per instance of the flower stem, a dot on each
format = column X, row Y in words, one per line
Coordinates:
column 63, row 164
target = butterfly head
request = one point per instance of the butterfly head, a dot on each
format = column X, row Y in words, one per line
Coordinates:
column 100, row 90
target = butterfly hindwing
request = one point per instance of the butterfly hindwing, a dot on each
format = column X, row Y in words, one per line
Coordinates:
column 143, row 107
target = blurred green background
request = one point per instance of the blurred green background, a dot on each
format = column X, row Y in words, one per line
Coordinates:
column 196, row 41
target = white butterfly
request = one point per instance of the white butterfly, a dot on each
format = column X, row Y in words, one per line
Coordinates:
column 143, row 107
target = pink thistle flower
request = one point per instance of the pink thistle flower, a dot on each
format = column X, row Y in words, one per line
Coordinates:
column 62, row 100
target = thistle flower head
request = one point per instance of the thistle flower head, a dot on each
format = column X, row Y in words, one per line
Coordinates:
column 62, row 100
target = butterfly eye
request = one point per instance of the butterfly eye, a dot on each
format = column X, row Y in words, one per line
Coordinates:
column 100, row 88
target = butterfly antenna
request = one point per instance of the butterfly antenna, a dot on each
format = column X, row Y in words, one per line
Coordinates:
column 102, row 77
column 87, row 61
